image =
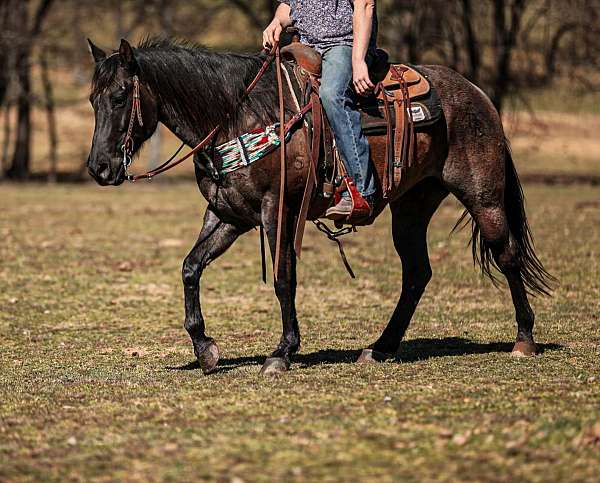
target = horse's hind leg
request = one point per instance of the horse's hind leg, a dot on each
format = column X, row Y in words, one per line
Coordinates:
column 410, row 218
column 504, row 240
column 214, row 239
column 507, row 259
column 497, row 238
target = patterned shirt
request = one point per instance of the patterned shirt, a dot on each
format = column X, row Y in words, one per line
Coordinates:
column 326, row 23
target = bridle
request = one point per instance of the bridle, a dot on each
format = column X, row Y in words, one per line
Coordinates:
column 136, row 115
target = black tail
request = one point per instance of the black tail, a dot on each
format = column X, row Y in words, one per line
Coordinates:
column 535, row 277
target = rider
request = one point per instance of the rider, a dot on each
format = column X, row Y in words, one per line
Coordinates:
column 344, row 32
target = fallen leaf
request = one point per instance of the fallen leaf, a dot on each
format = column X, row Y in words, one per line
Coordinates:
column 170, row 243
column 461, row 439
column 135, row 351
column 588, row 437
column 125, row 267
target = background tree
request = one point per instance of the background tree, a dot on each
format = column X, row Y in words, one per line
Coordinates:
column 507, row 47
column 25, row 29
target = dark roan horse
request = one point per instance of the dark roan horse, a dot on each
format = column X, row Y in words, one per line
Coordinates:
column 191, row 90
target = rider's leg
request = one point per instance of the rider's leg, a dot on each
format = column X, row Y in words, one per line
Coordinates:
column 344, row 117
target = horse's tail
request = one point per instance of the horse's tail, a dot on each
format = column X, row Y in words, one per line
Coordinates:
column 536, row 278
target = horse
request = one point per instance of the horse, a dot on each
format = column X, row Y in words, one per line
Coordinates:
column 191, row 89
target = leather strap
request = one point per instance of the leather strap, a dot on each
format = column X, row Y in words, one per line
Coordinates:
column 263, row 256
column 282, row 167
column 400, row 140
column 312, row 172
column 388, row 174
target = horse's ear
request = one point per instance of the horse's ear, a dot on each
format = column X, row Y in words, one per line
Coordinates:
column 97, row 53
column 126, row 54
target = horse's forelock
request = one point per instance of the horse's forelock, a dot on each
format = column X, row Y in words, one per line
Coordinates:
column 104, row 74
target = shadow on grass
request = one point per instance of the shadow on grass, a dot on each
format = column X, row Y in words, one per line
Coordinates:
column 410, row 351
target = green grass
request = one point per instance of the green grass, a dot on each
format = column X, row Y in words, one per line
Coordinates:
column 92, row 347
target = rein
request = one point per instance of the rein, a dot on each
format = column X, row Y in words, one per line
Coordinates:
column 136, row 114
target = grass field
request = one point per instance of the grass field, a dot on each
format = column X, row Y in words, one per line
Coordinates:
column 97, row 380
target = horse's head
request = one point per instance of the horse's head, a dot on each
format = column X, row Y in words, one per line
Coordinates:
column 124, row 118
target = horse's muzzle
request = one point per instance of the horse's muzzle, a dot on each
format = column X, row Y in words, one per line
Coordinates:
column 105, row 173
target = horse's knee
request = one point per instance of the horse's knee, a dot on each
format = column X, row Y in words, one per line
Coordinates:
column 190, row 271
column 282, row 287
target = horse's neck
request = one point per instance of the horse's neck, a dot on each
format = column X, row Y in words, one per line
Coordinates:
column 179, row 126
column 233, row 119
column 185, row 129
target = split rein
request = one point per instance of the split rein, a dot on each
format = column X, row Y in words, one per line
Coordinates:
column 136, row 115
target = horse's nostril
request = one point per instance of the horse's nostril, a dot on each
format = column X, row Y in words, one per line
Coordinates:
column 104, row 171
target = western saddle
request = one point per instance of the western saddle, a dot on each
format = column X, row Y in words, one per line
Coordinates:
column 397, row 85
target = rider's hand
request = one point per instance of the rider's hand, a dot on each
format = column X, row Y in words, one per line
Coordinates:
column 272, row 34
column 360, row 78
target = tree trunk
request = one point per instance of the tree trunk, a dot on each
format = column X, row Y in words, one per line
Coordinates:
column 5, row 138
column 505, row 38
column 5, row 26
column 19, row 168
column 472, row 43
column 50, row 118
column 23, row 48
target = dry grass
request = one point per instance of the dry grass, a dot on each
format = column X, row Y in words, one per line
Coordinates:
column 561, row 143
column 94, row 379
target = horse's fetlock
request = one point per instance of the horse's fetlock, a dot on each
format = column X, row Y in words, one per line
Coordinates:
column 192, row 326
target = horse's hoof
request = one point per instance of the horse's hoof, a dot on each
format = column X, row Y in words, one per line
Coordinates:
column 369, row 356
column 524, row 349
column 208, row 358
column 275, row 365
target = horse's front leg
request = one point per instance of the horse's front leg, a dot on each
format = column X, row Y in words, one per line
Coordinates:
column 214, row 239
column 285, row 289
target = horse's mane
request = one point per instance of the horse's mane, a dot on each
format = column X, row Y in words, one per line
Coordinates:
column 202, row 86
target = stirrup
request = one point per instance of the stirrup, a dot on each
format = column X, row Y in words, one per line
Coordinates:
column 361, row 210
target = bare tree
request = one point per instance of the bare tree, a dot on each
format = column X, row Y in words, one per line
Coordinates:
column 50, row 116
column 28, row 29
column 5, row 26
column 258, row 16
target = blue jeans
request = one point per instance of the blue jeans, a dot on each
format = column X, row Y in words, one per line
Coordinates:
column 337, row 98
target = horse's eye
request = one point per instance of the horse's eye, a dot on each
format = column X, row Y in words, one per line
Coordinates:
column 118, row 100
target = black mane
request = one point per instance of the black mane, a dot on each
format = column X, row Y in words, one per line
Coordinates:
column 199, row 85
